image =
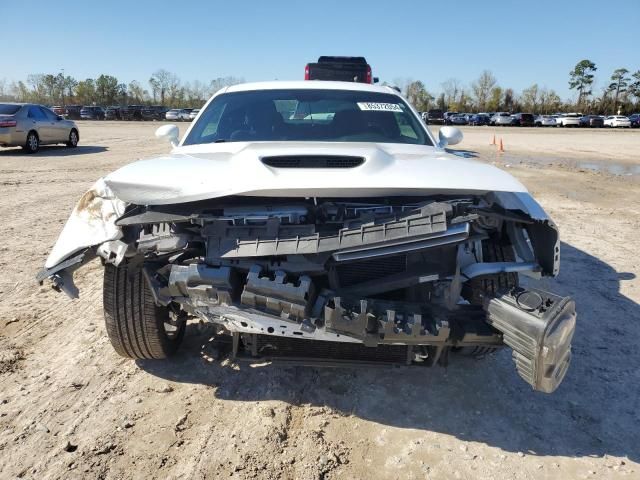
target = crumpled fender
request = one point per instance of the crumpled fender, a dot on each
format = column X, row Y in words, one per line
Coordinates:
column 91, row 223
column 543, row 233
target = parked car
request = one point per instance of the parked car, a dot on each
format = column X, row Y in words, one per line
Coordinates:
column 173, row 114
column 544, row 121
column 500, row 119
column 634, row 120
column 615, row 121
column 59, row 110
column 321, row 265
column 568, row 120
column 131, row 112
column 479, row 119
column 344, row 69
column 28, row 126
column 457, row 119
column 522, row 120
column 435, row 116
column 73, row 111
column 193, row 114
column 113, row 113
column 92, row 113
column 184, row 114
column 447, row 116
column 154, row 112
column 591, row 121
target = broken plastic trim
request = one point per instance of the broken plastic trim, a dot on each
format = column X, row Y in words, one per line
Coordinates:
column 61, row 275
column 455, row 234
column 478, row 269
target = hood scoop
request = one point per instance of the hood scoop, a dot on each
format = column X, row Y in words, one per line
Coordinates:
column 312, row 161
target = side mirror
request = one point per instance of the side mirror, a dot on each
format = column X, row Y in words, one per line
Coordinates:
column 59, row 117
column 169, row 133
column 449, row 136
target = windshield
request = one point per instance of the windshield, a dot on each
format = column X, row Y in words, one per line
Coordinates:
column 8, row 109
column 307, row 115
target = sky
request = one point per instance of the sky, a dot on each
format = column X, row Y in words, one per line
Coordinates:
column 521, row 42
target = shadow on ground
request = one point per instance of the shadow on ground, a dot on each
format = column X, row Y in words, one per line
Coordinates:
column 55, row 151
column 593, row 413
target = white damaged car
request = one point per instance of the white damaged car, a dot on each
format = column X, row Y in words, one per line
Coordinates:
column 345, row 234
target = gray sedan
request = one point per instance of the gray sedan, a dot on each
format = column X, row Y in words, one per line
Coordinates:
column 28, row 126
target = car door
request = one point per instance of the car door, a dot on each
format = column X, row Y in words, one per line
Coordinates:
column 58, row 130
column 38, row 122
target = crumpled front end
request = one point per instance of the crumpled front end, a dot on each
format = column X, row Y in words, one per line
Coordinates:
column 418, row 276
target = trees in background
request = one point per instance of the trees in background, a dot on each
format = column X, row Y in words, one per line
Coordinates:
column 162, row 83
column 482, row 89
column 634, row 88
column 106, row 90
column 581, row 79
column 549, row 101
column 418, row 96
column 136, row 92
column 622, row 91
column 86, row 91
column 164, row 88
column 452, row 90
column 618, row 85
column 530, row 98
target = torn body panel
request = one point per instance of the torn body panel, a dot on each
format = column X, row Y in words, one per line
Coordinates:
column 91, row 224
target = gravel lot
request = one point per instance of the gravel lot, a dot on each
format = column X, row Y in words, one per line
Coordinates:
column 70, row 408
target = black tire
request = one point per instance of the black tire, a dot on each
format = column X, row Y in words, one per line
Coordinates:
column 476, row 289
column 136, row 326
column 32, row 144
column 73, row 139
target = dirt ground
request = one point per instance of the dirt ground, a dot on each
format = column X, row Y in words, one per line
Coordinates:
column 619, row 146
column 70, row 408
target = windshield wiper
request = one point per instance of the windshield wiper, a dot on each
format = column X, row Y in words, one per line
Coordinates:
column 220, row 140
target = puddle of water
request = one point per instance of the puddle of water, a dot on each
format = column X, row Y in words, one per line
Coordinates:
column 613, row 168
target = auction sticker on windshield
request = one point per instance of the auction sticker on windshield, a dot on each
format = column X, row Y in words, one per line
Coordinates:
column 379, row 107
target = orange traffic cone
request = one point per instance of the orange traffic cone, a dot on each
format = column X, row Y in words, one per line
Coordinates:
column 493, row 142
column 501, row 149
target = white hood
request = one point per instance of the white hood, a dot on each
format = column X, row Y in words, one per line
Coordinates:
column 200, row 172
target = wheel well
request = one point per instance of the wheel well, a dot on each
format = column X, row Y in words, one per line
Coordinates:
column 77, row 132
column 33, row 131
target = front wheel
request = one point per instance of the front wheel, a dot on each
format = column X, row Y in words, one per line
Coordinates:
column 136, row 326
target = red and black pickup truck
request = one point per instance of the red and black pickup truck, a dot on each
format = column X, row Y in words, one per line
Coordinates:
column 342, row 69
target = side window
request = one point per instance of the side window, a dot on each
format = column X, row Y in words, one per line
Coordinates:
column 36, row 114
column 48, row 114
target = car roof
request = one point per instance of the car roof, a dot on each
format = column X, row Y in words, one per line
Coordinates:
column 19, row 104
column 310, row 85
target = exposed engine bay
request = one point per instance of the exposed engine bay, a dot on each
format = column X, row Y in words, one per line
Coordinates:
column 415, row 276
